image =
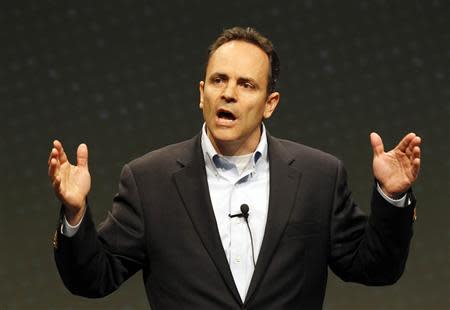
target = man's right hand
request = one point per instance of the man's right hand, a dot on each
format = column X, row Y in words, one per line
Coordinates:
column 70, row 183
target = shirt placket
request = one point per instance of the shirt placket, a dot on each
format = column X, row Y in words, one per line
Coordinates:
column 240, row 247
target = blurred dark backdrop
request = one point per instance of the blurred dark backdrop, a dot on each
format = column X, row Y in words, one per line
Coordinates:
column 122, row 76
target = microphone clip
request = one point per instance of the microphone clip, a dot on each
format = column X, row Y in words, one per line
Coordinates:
column 244, row 212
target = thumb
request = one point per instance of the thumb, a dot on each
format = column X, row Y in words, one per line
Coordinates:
column 82, row 155
column 377, row 144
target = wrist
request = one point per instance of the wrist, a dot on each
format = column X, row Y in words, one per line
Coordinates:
column 74, row 214
column 392, row 195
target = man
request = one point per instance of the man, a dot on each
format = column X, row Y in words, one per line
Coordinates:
column 180, row 214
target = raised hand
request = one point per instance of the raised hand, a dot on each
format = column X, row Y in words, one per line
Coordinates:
column 70, row 183
column 397, row 169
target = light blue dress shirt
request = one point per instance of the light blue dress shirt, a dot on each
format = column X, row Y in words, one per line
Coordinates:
column 229, row 188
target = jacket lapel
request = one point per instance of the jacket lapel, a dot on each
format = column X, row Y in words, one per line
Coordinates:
column 193, row 188
column 284, row 182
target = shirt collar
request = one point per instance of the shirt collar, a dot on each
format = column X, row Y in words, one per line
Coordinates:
column 211, row 156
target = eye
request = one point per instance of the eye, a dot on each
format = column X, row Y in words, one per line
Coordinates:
column 217, row 79
column 247, row 85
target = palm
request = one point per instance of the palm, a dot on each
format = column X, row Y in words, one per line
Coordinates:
column 397, row 169
column 71, row 183
column 75, row 184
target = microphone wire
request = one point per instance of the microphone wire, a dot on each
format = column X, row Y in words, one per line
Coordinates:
column 251, row 241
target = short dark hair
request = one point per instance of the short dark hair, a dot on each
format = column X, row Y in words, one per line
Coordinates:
column 252, row 36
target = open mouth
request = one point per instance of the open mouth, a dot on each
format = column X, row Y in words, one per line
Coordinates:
column 226, row 115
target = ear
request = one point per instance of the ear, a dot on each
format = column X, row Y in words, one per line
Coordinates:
column 201, row 88
column 271, row 104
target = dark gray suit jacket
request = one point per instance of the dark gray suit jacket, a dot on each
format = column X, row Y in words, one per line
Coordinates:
column 162, row 222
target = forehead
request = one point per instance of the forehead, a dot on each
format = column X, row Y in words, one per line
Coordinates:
column 239, row 58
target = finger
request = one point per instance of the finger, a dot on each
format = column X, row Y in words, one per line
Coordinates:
column 53, row 168
column 57, row 185
column 409, row 152
column 53, row 154
column 377, row 144
column 415, row 142
column 416, row 167
column 82, row 155
column 60, row 149
column 412, row 147
column 416, row 152
column 403, row 145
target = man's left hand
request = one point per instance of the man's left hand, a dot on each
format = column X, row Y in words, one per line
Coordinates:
column 397, row 169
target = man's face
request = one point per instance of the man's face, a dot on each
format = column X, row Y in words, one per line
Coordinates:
column 234, row 97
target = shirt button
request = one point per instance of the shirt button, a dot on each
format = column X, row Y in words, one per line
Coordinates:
column 238, row 259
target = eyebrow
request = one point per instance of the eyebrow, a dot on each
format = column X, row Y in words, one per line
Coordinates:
column 218, row 74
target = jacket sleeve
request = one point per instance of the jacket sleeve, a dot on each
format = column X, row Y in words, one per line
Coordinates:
column 369, row 250
column 94, row 264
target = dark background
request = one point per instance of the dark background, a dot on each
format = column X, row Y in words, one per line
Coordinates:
column 123, row 77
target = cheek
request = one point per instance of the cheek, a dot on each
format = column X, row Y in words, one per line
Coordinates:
column 257, row 108
column 208, row 100
column 207, row 107
column 253, row 116
column 208, row 111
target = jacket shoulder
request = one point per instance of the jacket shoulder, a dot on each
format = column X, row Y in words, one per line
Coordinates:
column 165, row 158
column 304, row 152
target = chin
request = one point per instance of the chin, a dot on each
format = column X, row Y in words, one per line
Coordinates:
column 225, row 134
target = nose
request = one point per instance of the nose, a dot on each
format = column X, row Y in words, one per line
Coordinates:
column 229, row 93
